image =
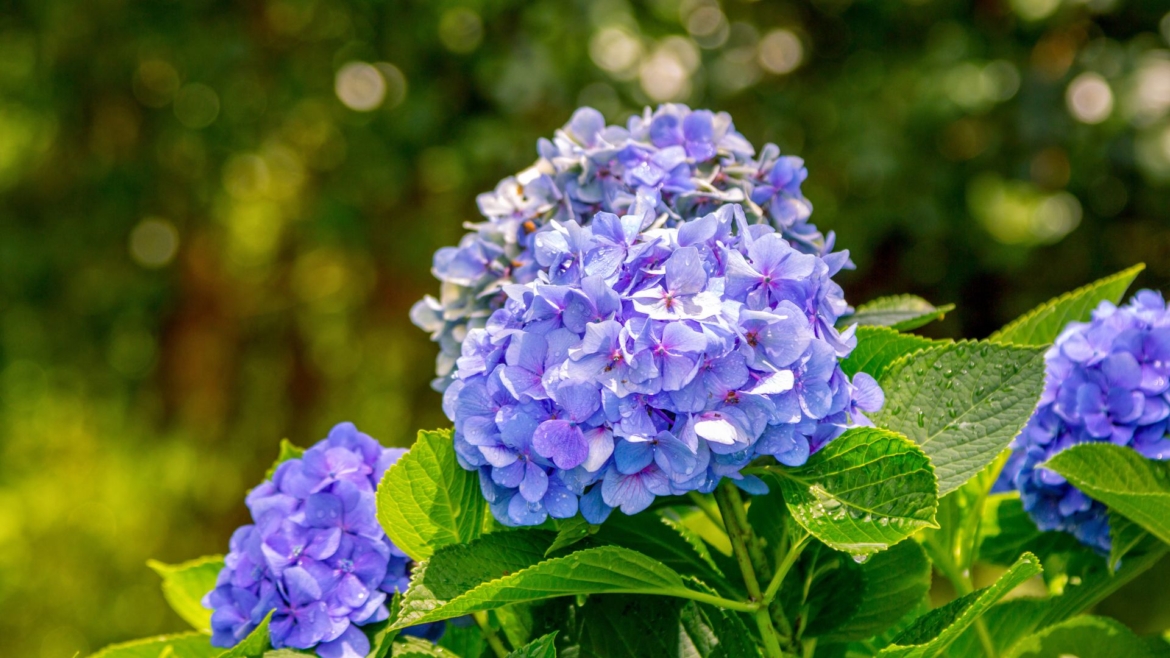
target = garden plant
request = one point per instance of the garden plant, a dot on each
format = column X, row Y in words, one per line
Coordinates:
column 672, row 435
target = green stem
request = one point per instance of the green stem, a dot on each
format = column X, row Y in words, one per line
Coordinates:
column 782, row 569
column 738, row 530
column 489, row 635
column 738, row 606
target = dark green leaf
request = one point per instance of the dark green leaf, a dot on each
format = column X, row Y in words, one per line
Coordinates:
column 569, row 532
column 380, row 635
column 1125, row 536
column 899, row 312
column 464, row 640
column 1043, row 324
column 1128, row 483
column 934, row 632
column 184, row 585
column 541, row 647
column 287, row 451
column 878, row 347
column 963, row 403
column 892, row 583
column 865, row 491
column 666, row 541
column 1083, row 637
column 183, row 645
column 426, row 500
column 503, row 568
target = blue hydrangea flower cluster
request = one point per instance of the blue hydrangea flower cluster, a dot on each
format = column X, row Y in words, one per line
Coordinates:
column 1106, row 380
column 315, row 555
column 645, row 360
column 688, row 162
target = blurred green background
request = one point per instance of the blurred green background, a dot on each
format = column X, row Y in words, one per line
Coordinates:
column 215, row 215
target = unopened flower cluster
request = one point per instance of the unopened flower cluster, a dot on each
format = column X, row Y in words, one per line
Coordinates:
column 315, row 555
column 688, row 162
column 1106, row 380
column 646, row 360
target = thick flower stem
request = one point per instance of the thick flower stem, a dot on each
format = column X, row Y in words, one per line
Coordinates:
column 490, row 636
column 740, row 533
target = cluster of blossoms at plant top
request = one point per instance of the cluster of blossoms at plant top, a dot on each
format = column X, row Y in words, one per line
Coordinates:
column 315, row 556
column 688, row 162
column 1106, row 380
column 646, row 360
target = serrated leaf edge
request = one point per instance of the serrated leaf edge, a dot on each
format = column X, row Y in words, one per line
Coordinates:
column 997, row 337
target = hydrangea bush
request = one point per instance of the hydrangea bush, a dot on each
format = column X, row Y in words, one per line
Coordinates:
column 647, row 321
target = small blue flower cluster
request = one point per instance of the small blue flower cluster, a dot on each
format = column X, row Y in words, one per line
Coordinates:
column 688, row 162
column 1106, row 380
column 647, row 360
column 315, row 555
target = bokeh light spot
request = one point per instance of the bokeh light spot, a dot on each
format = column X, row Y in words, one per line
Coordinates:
column 1034, row 10
column 460, row 30
column 360, row 86
column 154, row 242
column 196, row 105
column 1089, row 98
column 155, row 83
column 616, row 50
column 781, row 52
column 395, row 84
column 664, row 76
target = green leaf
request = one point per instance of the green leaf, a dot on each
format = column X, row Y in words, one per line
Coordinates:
column 464, row 641
column 1125, row 536
column 878, row 347
column 669, row 542
column 426, row 500
column 380, row 635
column 541, row 647
column 892, row 583
column 963, row 403
column 413, row 647
column 1043, row 324
column 1007, row 531
column 953, row 546
column 1083, row 637
column 1134, row 486
column 863, row 492
column 503, row 568
column 899, row 312
column 184, row 585
column 934, row 632
column 570, row 532
column 287, row 451
column 621, row 625
column 254, row 645
column 183, row 645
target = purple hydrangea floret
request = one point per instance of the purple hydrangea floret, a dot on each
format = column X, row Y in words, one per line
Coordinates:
column 1106, row 380
column 648, row 358
column 688, row 163
column 315, row 555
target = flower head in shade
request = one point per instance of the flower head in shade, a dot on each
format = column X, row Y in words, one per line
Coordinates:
column 1106, row 380
column 647, row 360
column 315, row 555
column 684, row 164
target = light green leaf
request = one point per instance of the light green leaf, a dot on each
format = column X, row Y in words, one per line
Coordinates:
column 183, row 645
column 184, row 585
column 878, row 347
column 932, row 634
column 503, row 568
column 952, row 547
column 863, row 492
column 672, row 544
column 1134, row 486
column 413, row 647
column 287, row 451
column 569, row 532
column 541, row 647
column 963, row 403
column 1083, row 637
column 899, row 312
column 254, row 645
column 1043, row 324
column 893, row 582
column 380, row 635
column 426, row 500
